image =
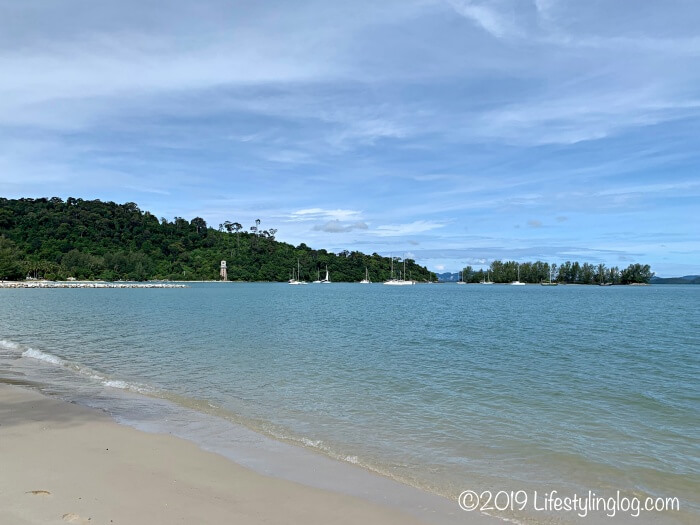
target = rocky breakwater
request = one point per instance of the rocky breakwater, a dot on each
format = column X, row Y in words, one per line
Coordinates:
column 85, row 284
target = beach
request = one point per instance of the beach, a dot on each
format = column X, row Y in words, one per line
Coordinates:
column 62, row 463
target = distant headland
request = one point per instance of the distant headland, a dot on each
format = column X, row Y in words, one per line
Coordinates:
column 687, row 279
column 53, row 239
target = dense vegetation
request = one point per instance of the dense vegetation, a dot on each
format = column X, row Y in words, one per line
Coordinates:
column 83, row 239
column 568, row 272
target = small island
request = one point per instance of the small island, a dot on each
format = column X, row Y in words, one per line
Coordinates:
column 539, row 272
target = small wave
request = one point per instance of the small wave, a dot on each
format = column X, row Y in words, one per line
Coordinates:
column 42, row 356
column 123, row 385
column 311, row 442
column 8, row 345
column 320, row 445
column 115, row 383
column 86, row 371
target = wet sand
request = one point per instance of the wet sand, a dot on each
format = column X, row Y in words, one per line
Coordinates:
column 62, row 463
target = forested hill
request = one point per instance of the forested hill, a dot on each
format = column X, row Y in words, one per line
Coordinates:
column 90, row 239
column 687, row 279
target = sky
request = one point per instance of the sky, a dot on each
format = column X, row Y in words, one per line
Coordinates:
column 454, row 132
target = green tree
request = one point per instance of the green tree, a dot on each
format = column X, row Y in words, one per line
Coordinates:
column 10, row 268
column 636, row 274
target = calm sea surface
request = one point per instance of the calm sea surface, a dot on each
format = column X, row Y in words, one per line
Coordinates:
column 444, row 387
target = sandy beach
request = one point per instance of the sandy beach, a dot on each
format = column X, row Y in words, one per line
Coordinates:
column 62, row 463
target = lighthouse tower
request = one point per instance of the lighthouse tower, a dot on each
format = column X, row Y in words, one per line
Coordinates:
column 222, row 272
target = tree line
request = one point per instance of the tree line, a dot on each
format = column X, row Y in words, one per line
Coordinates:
column 49, row 238
column 568, row 272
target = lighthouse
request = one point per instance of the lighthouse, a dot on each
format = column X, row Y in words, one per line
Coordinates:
column 222, row 272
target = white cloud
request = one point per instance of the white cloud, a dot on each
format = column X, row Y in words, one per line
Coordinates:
column 485, row 16
column 336, row 226
column 314, row 214
column 289, row 157
column 680, row 187
column 391, row 230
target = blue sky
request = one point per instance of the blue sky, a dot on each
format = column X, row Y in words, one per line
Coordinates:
column 453, row 131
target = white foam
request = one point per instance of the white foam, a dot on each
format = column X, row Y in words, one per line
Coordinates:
column 352, row 459
column 312, row 443
column 42, row 356
column 8, row 345
column 115, row 383
column 83, row 370
column 125, row 385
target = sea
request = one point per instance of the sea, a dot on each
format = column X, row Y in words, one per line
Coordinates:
column 524, row 392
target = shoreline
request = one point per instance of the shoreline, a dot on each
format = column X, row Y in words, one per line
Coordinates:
column 279, row 457
column 68, row 463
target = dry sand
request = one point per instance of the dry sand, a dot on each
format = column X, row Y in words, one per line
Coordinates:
column 62, row 463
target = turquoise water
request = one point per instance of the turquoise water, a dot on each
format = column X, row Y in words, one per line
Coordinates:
column 443, row 387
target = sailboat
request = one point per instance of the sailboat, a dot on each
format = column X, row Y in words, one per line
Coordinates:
column 549, row 283
column 398, row 282
column 487, row 280
column 366, row 279
column 518, row 283
column 327, row 278
column 296, row 281
column 460, row 279
column 293, row 280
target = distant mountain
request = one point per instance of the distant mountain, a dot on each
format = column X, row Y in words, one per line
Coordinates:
column 687, row 279
column 448, row 277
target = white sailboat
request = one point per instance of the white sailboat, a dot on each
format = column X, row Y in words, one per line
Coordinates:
column 550, row 283
column 398, row 282
column 318, row 277
column 327, row 278
column 518, row 283
column 366, row 279
column 487, row 280
column 298, row 280
column 461, row 281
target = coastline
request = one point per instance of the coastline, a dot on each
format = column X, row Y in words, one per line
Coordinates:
column 140, row 409
column 64, row 463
